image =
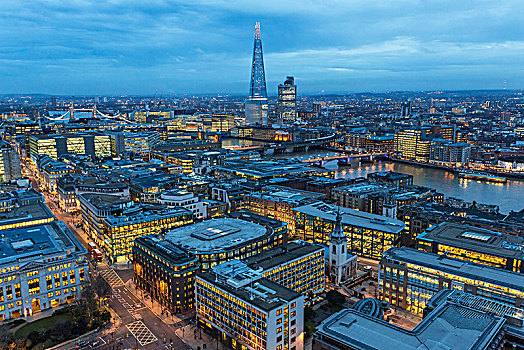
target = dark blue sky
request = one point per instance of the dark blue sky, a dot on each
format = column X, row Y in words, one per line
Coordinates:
column 76, row 47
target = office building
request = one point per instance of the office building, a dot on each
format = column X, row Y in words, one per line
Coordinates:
column 119, row 232
column 459, row 322
column 406, row 108
column 276, row 203
column 96, row 207
column 166, row 273
column 297, row 265
column 248, row 311
column 408, row 278
column 9, row 163
column 94, row 144
column 256, row 106
column 267, row 169
column 369, row 235
column 420, row 216
column 237, row 236
column 413, row 144
column 287, row 101
column 448, row 153
column 41, row 267
column 474, row 244
column 382, row 199
column 185, row 199
column 141, row 143
column 392, row 178
column 23, row 208
column 51, row 171
column 511, row 316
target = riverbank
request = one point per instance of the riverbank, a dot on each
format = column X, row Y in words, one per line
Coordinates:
column 519, row 177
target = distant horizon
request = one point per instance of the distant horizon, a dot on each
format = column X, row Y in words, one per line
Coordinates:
column 327, row 93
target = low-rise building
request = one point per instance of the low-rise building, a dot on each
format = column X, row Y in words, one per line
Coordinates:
column 188, row 200
column 474, row 244
column 248, row 311
column 408, row 278
column 41, row 267
column 369, row 235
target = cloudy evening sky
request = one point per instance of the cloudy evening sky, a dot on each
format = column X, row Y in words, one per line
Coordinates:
column 75, row 47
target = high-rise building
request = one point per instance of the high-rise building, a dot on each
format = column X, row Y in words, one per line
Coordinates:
column 287, row 101
column 9, row 163
column 406, row 108
column 256, row 104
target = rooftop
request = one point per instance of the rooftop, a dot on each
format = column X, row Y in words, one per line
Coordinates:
column 282, row 254
column 449, row 327
column 353, row 217
column 165, row 249
column 216, row 235
column 475, row 239
column 457, row 267
column 233, row 277
column 102, row 200
column 36, row 241
column 29, row 212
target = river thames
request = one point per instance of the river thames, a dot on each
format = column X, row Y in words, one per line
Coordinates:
column 508, row 196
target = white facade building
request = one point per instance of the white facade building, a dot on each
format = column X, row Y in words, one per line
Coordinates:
column 188, row 200
column 42, row 266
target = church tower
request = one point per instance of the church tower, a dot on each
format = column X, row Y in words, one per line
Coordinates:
column 338, row 257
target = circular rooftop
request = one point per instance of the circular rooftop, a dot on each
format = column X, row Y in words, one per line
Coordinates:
column 216, row 235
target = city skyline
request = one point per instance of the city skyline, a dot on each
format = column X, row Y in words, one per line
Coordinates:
column 86, row 48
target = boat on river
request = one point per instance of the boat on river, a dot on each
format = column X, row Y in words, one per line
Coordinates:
column 475, row 175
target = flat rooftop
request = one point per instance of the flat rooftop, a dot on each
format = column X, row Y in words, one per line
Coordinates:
column 449, row 327
column 475, row 239
column 216, row 235
column 457, row 267
column 100, row 200
column 352, row 217
column 165, row 249
column 29, row 212
column 282, row 254
column 262, row 293
column 37, row 241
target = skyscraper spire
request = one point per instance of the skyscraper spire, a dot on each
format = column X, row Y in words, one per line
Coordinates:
column 256, row 104
column 258, row 75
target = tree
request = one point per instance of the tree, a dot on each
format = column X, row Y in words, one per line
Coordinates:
column 335, row 298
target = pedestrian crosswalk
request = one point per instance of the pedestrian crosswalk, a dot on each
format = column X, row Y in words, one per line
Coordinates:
column 112, row 278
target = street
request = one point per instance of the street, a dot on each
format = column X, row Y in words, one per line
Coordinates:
column 135, row 324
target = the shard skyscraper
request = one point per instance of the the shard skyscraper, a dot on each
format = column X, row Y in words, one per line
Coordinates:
column 256, row 104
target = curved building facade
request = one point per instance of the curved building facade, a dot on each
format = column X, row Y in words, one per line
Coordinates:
column 237, row 236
